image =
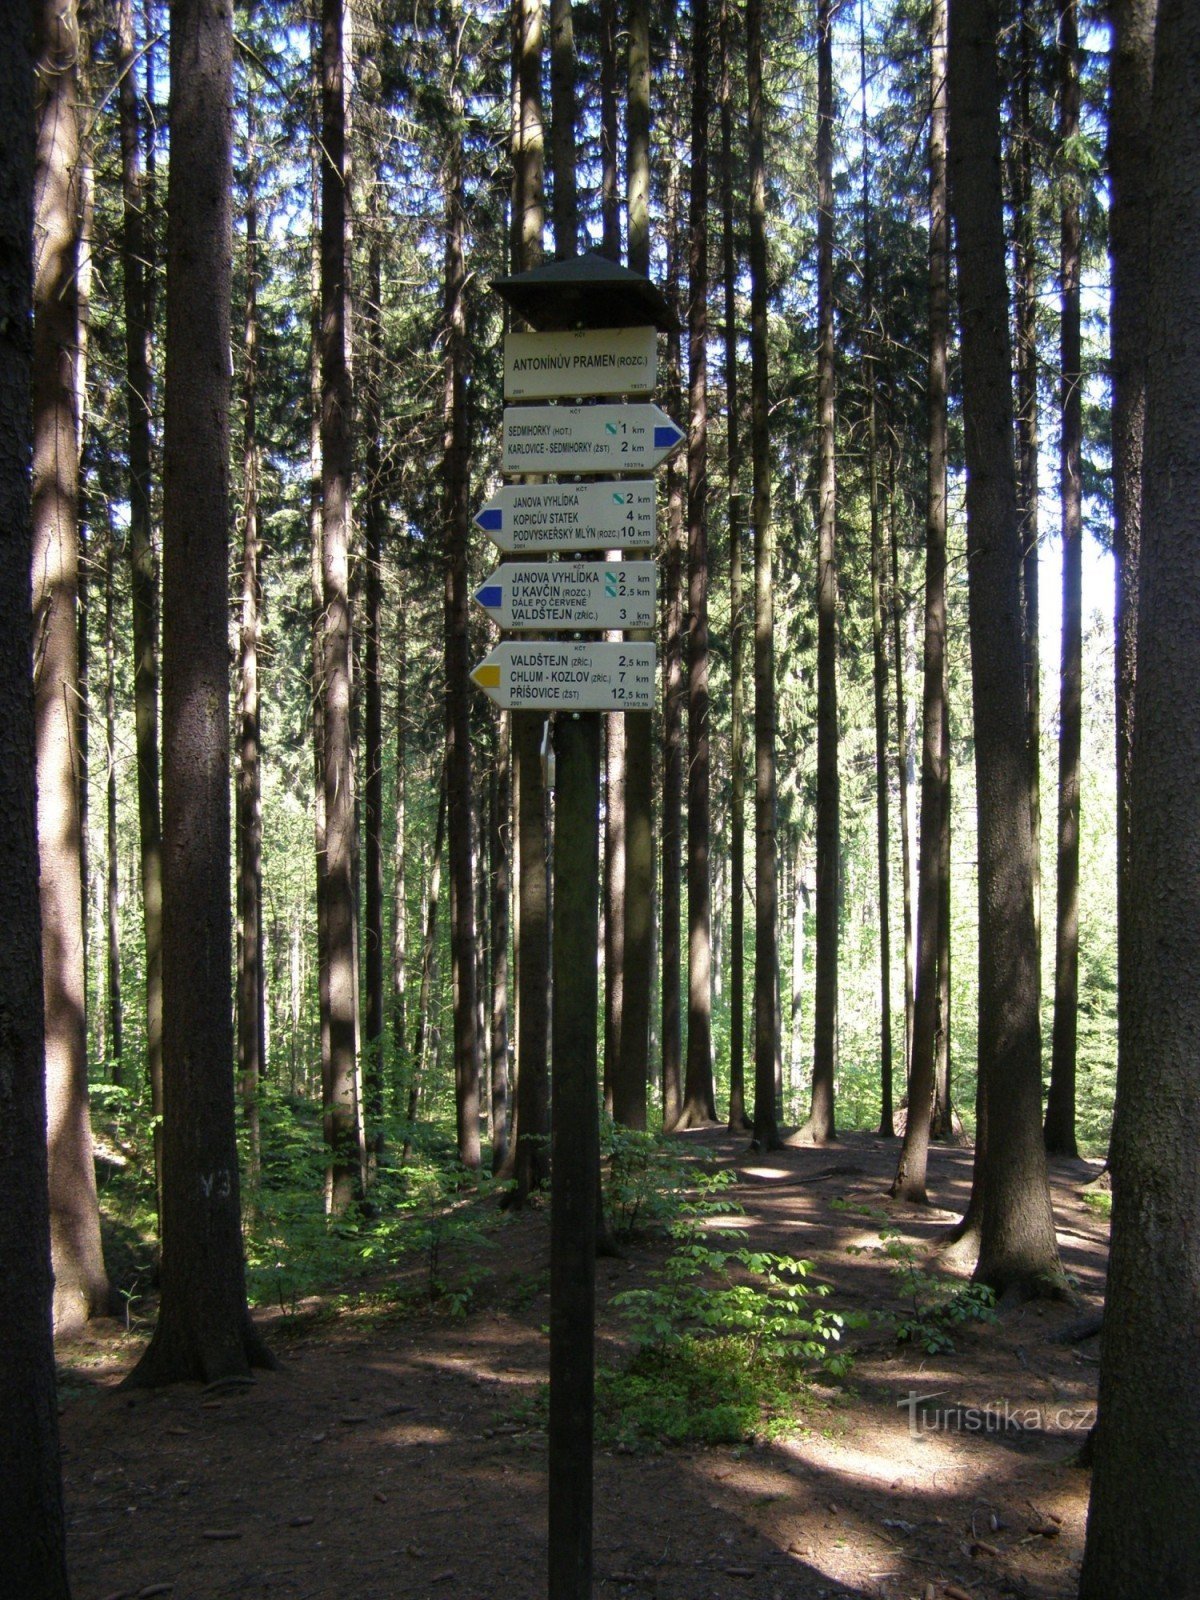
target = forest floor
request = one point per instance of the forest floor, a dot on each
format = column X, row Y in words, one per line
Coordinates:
column 398, row 1455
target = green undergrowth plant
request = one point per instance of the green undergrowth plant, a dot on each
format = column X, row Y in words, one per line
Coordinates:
column 649, row 1188
column 725, row 1341
column 931, row 1307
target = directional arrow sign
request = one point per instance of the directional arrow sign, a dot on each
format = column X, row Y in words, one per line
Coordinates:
column 592, row 361
column 571, row 516
column 602, row 438
column 569, row 677
column 571, row 594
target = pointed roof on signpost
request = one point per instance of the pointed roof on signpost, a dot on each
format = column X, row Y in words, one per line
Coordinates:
column 587, row 291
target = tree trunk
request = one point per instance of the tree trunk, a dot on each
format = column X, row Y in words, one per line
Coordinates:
column 249, row 781
column 820, row 1125
column 629, row 1102
column 1060, row 1106
column 909, row 1183
column 456, row 488
column 336, row 461
column 897, row 620
column 375, row 520
column 766, row 844
column 500, row 797
column 80, row 1283
column 737, row 615
column 31, row 1507
column 138, row 402
column 1129, row 152
column 699, row 1105
column 1018, row 1252
column 399, row 1018
column 614, row 901
column 204, row 1330
column 1145, row 1504
column 428, row 964
column 112, row 906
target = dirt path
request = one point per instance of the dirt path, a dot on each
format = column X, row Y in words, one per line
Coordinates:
column 382, row 1459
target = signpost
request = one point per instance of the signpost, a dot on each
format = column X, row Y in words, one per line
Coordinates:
column 587, row 439
column 614, row 355
column 563, row 594
column 591, row 676
column 589, row 361
column 570, row 516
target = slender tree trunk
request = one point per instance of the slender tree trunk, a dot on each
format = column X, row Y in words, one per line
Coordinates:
column 204, row 1330
column 820, row 1126
column 897, row 621
column 878, row 637
column 672, row 671
column 399, row 1018
column 737, row 616
column 336, row 460
column 112, row 905
column 1060, row 1106
column 500, row 796
column 80, row 1283
column 428, row 963
column 637, row 944
column 249, row 803
column 766, row 845
column 1018, row 1252
column 32, row 1532
column 565, row 210
column 138, row 402
column 456, row 487
column 375, row 521
column 1145, row 1504
column 532, row 933
column 909, row 1183
column 1026, row 285
column 614, row 901
column 699, row 1105
column 942, row 1126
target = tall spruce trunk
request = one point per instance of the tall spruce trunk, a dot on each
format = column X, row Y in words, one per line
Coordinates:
column 820, row 1125
column 699, row 1105
column 766, row 842
column 337, row 738
column 375, row 524
column 204, row 1330
column 737, row 615
column 1060, row 1105
column 909, row 1183
column 249, row 803
column 1145, row 1504
column 80, row 1282
column 456, row 491
column 629, row 1091
column 1017, row 1250
column 32, row 1532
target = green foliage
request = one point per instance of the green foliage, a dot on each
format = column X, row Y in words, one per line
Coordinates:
column 931, row 1307
column 724, row 1339
column 649, row 1187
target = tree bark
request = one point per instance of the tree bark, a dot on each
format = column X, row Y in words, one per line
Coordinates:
column 699, row 1105
column 80, row 1282
column 820, row 1125
column 204, row 1330
column 31, row 1508
column 1145, row 1486
column 1060, row 1105
column 375, row 522
column 1018, row 1252
column 336, row 464
column 909, row 1183
column 766, row 843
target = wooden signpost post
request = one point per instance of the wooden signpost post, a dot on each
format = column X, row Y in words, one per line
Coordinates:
column 596, row 327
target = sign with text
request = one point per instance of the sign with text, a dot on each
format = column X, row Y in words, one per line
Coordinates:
column 571, row 594
column 587, row 439
column 586, row 363
column 595, row 676
column 570, row 516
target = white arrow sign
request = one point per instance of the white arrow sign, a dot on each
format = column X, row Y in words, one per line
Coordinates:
column 592, row 361
column 570, row 516
column 571, row 594
column 587, row 439
column 569, row 677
